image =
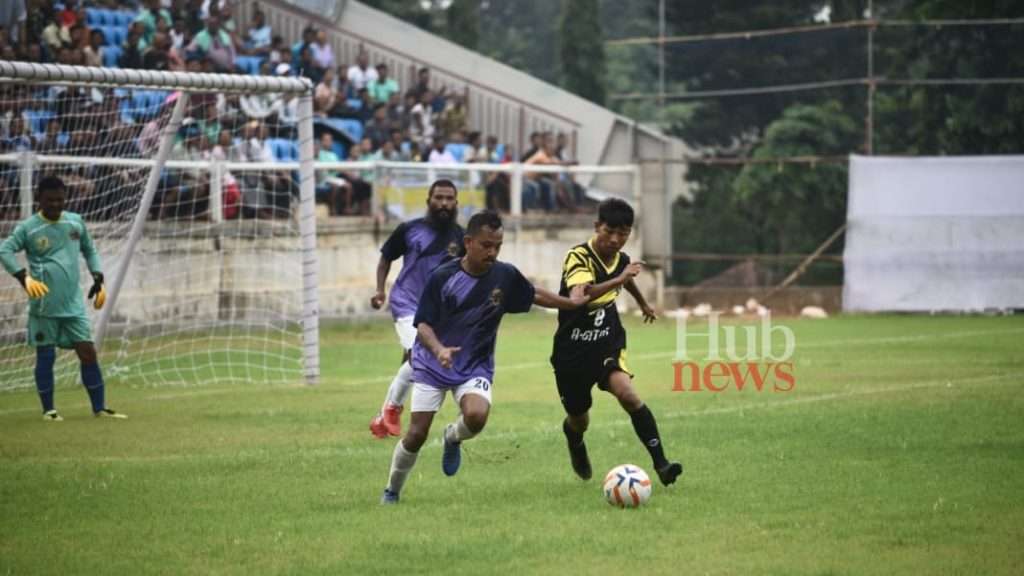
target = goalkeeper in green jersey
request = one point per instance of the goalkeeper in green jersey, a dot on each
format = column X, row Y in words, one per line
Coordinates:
column 52, row 240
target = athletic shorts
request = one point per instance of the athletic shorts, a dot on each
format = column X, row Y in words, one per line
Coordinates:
column 575, row 383
column 61, row 332
column 426, row 398
column 406, row 331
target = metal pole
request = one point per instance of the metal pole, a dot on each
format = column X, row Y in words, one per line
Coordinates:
column 869, row 121
column 27, row 162
column 661, row 58
column 166, row 143
column 307, row 230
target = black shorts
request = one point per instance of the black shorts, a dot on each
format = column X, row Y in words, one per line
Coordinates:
column 575, row 382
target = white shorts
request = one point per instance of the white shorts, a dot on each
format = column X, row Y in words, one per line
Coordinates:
column 426, row 398
column 406, row 331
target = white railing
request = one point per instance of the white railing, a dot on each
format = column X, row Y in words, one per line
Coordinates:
column 391, row 181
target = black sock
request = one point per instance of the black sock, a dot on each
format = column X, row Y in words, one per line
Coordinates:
column 574, row 437
column 647, row 430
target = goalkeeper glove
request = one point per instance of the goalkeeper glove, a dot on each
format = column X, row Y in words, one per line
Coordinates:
column 35, row 288
column 97, row 291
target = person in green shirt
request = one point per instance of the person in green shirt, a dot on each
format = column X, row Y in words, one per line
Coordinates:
column 52, row 240
column 382, row 87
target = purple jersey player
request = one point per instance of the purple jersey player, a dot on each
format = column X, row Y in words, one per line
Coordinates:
column 457, row 325
column 423, row 244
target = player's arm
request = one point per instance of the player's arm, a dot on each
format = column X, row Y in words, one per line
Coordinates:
column 383, row 269
column 429, row 339
column 628, row 273
column 428, row 313
column 8, row 248
column 13, row 244
column 393, row 249
column 649, row 315
column 577, row 297
column 98, row 294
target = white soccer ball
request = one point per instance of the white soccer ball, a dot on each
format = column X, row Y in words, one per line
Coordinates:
column 627, row 486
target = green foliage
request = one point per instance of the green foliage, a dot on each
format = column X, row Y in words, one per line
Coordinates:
column 582, row 49
column 463, row 23
column 949, row 120
column 772, row 208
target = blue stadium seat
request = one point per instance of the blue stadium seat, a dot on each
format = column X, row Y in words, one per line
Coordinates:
column 284, row 150
column 37, row 119
column 352, row 128
column 249, row 64
column 122, row 18
column 339, row 149
column 499, row 151
column 111, row 55
column 95, row 17
column 109, row 16
column 114, row 35
column 144, row 104
column 458, row 151
column 355, row 103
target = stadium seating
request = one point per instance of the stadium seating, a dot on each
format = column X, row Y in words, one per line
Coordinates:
column 95, row 17
column 142, row 105
column 284, row 150
column 249, row 64
column 37, row 119
column 111, row 56
column 351, row 129
column 114, row 35
column 458, row 151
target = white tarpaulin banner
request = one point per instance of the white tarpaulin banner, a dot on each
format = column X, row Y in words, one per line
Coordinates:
column 935, row 234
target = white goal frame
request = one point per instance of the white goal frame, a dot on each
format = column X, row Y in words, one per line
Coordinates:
column 186, row 83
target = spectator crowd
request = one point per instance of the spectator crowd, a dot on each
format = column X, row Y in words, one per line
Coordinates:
column 362, row 112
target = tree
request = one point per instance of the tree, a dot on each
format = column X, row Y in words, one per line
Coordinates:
column 793, row 208
column 463, row 23
column 582, row 50
column 773, row 208
column 941, row 120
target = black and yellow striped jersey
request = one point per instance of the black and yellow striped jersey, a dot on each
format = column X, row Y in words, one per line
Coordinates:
column 593, row 331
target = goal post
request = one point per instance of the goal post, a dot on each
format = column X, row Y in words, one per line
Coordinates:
column 208, row 245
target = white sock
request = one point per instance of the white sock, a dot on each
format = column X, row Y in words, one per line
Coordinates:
column 398, row 391
column 402, row 462
column 459, row 431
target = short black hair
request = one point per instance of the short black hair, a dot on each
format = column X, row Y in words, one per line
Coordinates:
column 486, row 218
column 51, row 182
column 615, row 213
column 442, row 183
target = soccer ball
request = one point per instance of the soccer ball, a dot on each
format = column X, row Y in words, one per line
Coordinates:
column 627, row 486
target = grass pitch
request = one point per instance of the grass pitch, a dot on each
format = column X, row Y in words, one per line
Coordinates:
column 899, row 450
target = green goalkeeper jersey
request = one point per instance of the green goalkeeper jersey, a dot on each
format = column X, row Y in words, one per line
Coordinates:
column 52, row 249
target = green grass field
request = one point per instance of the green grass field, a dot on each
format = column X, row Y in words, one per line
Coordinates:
column 900, row 450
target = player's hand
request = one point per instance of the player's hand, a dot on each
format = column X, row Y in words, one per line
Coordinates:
column 98, row 294
column 378, row 300
column 649, row 315
column 578, row 295
column 446, row 355
column 631, row 271
column 35, row 288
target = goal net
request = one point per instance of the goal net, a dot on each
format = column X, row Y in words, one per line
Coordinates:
column 198, row 192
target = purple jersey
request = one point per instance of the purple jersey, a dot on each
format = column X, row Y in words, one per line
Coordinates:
column 422, row 247
column 465, row 311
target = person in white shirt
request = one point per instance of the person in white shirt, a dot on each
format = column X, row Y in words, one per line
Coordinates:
column 360, row 74
column 421, row 127
column 323, row 54
column 439, row 154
